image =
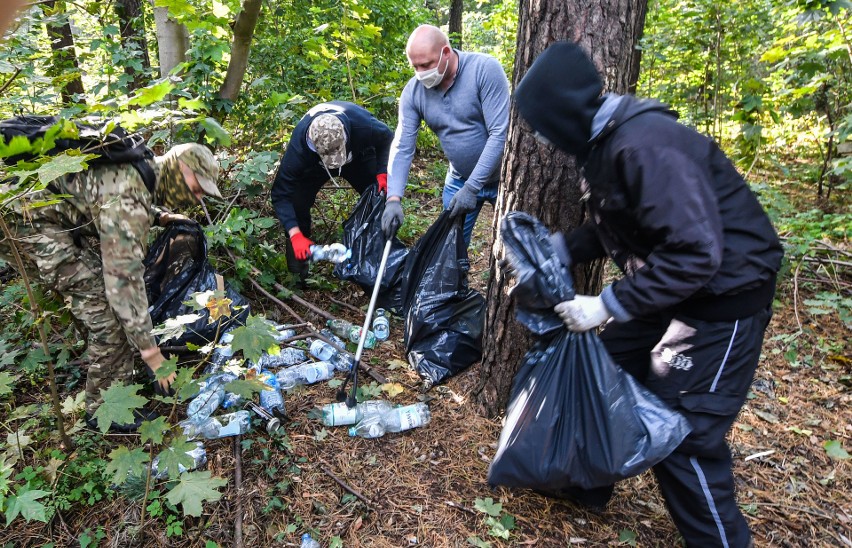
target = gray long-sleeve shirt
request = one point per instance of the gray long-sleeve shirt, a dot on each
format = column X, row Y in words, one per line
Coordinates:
column 470, row 119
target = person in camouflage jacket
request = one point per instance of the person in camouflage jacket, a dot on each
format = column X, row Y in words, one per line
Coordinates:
column 89, row 248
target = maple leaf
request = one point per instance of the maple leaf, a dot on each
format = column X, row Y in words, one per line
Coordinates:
column 153, row 430
column 119, row 403
column 193, row 489
column 218, row 308
column 27, row 505
column 172, row 457
column 253, row 338
column 392, row 389
column 124, row 461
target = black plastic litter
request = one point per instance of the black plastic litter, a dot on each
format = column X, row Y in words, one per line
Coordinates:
column 362, row 233
column 575, row 419
column 443, row 316
column 176, row 267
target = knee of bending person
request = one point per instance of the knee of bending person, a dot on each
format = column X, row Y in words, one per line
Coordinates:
column 711, row 416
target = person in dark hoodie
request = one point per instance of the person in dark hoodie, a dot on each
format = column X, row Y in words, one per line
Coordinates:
column 336, row 138
column 699, row 257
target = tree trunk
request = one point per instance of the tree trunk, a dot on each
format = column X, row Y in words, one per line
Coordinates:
column 243, row 31
column 172, row 40
column 455, row 26
column 64, row 69
column 132, row 26
column 541, row 180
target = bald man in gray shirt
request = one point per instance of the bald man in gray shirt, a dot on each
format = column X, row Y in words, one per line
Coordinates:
column 464, row 99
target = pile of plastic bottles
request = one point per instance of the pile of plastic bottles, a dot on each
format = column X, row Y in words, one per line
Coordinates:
column 375, row 418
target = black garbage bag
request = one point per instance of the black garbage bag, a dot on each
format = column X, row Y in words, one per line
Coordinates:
column 362, row 233
column 176, row 267
column 443, row 316
column 574, row 419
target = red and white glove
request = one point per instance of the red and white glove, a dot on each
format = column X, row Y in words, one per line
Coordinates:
column 301, row 246
column 382, row 179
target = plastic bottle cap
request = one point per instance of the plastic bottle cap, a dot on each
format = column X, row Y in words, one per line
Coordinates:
column 273, row 425
column 353, row 432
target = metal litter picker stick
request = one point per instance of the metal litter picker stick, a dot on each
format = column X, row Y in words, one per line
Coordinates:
column 350, row 401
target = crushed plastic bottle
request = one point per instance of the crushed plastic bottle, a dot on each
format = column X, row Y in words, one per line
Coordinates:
column 339, row 414
column 321, row 350
column 288, row 356
column 284, row 333
column 397, row 419
column 326, row 332
column 205, row 403
column 334, row 253
column 381, row 325
column 271, row 398
column 306, row 373
column 232, row 424
column 355, row 336
column 340, row 327
column 199, row 459
column 309, row 542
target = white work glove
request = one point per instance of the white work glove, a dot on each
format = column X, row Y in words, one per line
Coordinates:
column 582, row 313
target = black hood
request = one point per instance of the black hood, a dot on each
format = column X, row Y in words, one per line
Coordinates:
column 559, row 96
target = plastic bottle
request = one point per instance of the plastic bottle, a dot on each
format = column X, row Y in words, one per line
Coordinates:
column 333, row 253
column 288, row 356
column 355, row 336
column 284, row 333
column 340, row 327
column 332, row 337
column 205, row 403
column 321, row 350
column 271, row 398
column 339, row 414
column 232, row 424
column 199, row 459
column 397, row 419
column 309, row 542
column 381, row 325
column 221, row 354
column 306, row 373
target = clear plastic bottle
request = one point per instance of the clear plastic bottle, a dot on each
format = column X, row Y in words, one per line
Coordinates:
column 332, row 337
column 288, row 356
column 309, row 542
column 231, row 424
column 284, row 333
column 199, row 459
column 397, row 419
column 339, row 414
column 221, row 354
column 205, row 403
column 339, row 327
column 271, row 398
column 381, row 325
column 321, row 350
column 355, row 336
column 334, row 253
column 306, row 373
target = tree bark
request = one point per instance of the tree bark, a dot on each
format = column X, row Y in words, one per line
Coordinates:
column 243, row 31
column 132, row 27
column 172, row 40
column 455, row 26
column 64, row 69
column 543, row 181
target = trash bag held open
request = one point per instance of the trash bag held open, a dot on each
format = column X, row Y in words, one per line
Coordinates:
column 443, row 316
column 574, row 419
column 362, row 234
column 176, row 267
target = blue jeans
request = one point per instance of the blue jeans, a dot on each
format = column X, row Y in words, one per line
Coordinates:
column 488, row 193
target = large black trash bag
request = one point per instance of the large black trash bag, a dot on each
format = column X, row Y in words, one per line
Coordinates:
column 362, row 233
column 176, row 267
column 575, row 419
column 443, row 316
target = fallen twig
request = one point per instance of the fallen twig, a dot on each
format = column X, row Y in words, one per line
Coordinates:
column 238, row 483
column 346, row 305
column 346, row 486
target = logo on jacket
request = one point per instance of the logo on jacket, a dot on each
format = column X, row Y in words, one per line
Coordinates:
column 675, row 360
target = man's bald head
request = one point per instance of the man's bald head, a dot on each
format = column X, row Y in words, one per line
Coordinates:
column 425, row 39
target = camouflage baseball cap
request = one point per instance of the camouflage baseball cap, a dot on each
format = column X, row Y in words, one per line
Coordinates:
column 329, row 138
column 201, row 161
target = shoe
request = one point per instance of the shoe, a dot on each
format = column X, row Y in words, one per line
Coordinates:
column 139, row 416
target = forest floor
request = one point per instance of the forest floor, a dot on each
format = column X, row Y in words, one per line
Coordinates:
column 427, row 487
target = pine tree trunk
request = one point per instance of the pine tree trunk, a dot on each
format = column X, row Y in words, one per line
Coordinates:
column 243, row 31
column 541, row 180
column 64, row 69
column 455, row 26
column 132, row 26
column 172, row 41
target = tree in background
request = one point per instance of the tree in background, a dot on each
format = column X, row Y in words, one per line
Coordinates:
column 132, row 28
column 541, row 180
column 65, row 70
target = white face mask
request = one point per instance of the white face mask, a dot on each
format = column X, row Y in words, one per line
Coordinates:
column 431, row 78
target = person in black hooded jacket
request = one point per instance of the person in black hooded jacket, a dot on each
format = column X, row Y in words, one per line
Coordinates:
column 699, row 257
column 336, row 138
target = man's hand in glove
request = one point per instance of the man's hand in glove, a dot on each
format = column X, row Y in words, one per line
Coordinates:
column 463, row 202
column 154, row 359
column 582, row 313
column 392, row 218
column 382, row 180
column 301, row 246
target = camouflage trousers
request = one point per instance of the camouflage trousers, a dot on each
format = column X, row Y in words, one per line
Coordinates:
column 52, row 259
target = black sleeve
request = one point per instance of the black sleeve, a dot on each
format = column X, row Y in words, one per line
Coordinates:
column 584, row 245
column 284, row 187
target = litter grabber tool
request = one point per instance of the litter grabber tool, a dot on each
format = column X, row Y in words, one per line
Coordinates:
column 353, row 373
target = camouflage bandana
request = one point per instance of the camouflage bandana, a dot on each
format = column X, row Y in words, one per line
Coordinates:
column 327, row 134
column 172, row 190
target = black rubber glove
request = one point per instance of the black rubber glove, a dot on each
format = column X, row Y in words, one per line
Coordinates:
column 392, row 218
